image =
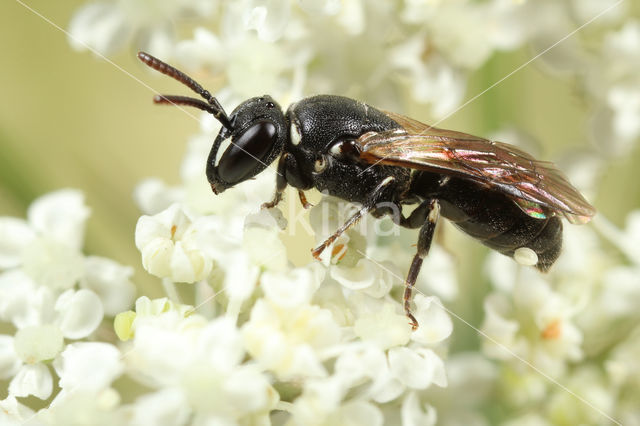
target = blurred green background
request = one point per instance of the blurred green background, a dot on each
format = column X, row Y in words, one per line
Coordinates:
column 69, row 119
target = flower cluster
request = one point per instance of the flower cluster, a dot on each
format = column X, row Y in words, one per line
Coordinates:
column 54, row 298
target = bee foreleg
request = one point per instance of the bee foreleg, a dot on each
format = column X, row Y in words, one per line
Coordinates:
column 303, row 200
column 281, row 183
column 424, row 243
column 368, row 206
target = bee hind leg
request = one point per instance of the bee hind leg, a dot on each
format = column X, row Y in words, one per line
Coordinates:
column 424, row 244
column 417, row 217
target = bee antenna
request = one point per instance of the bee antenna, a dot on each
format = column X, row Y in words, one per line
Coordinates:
column 213, row 106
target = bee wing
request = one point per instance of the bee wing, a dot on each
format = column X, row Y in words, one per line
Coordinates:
column 529, row 182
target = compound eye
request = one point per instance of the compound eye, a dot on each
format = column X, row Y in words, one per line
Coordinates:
column 248, row 152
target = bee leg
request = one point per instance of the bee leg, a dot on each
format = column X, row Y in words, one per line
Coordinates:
column 303, row 200
column 417, row 217
column 424, row 243
column 368, row 206
column 281, row 183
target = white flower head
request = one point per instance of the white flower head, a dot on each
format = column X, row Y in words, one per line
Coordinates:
column 107, row 27
column 74, row 315
column 168, row 245
column 289, row 341
column 534, row 323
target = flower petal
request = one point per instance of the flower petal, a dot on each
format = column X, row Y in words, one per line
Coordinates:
column 88, row 366
column 33, row 380
column 61, row 216
column 414, row 413
column 435, row 323
column 13, row 413
column 38, row 343
column 52, row 263
column 110, row 281
column 15, row 234
column 9, row 361
column 288, row 290
column 153, row 196
column 99, row 26
column 417, row 369
column 79, row 312
column 167, row 407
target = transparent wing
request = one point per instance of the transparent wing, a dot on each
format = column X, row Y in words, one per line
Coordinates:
column 529, row 182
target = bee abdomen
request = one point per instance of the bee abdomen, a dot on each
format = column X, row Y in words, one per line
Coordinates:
column 543, row 236
column 496, row 220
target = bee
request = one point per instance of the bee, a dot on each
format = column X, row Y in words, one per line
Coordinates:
column 492, row 191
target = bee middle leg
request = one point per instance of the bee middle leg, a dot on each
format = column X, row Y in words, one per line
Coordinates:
column 370, row 205
column 425, row 238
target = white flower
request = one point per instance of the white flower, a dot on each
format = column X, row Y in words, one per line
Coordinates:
column 53, row 264
column 418, row 368
column 12, row 412
column 289, row 290
column 61, row 216
column 48, row 244
column 111, row 282
column 413, row 414
column 435, row 323
column 75, row 407
column 168, row 245
column 166, row 407
column 379, row 322
column 588, row 382
column 91, row 366
column 471, row 384
column 261, row 241
column 533, row 323
column 268, row 17
column 289, row 342
column 205, row 50
column 9, row 361
column 194, row 363
column 106, row 27
column 75, row 315
column 33, row 379
column 621, row 365
column 15, row 235
column 152, row 196
column 365, row 276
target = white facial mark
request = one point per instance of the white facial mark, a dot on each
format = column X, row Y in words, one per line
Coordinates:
column 221, row 149
column 295, row 134
column 525, row 256
column 320, row 165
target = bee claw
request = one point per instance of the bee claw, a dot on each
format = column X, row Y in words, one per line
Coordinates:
column 317, row 252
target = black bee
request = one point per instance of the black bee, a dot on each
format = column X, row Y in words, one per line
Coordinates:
column 492, row 191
